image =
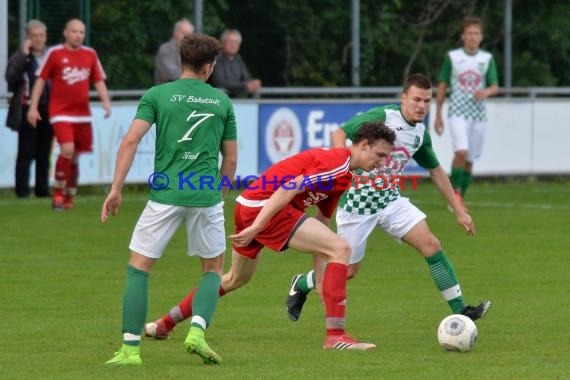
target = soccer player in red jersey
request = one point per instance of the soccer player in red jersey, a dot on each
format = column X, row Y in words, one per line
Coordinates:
column 270, row 213
column 71, row 67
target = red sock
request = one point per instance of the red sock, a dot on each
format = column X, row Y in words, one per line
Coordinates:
column 62, row 174
column 185, row 309
column 334, row 295
column 168, row 322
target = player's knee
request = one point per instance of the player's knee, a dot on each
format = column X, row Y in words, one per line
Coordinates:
column 461, row 155
column 341, row 251
column 431, row 246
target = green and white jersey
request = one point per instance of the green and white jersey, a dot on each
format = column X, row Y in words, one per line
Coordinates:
column 192, row 119
column 412, row 141
column 466, row 74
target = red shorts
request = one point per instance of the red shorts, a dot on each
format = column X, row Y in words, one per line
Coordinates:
column 275, row 235
column 78, row 133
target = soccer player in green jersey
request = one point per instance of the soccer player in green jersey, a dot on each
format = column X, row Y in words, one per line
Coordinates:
column 471, row 73
column 372, row 203
column 194, row 123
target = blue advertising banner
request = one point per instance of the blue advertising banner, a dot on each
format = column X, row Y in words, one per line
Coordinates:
column 287, row 129
column 98, row 166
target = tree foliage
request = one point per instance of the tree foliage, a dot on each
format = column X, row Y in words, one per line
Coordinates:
column 308, row 43
column 127, row 36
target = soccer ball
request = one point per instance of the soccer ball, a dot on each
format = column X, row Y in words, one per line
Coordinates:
column 457, row 333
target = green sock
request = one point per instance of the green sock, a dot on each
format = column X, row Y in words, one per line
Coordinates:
column 135, row 301
column 457, row 177
column 467, row 177
column 307, row 282
column 205, row 300
column 444, row 277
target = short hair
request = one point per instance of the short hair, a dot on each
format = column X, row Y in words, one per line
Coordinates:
column 227, row 32
column 471, row 20
column 71, row 20
column 374, row 131
column 35, row 24
column 417, row 80
column 197, row 50
column 179, row 23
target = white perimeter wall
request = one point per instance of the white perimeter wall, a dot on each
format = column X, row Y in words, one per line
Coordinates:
column 523, row 137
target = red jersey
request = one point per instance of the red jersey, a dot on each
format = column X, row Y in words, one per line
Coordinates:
column 326, row 176
column 71, row 73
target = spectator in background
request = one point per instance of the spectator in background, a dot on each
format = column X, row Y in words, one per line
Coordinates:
column 167, row 66
column 33, row 143
column 230, row 72
column 71, row 67
column 472, row 75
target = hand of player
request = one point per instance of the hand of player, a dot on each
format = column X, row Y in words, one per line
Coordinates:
column 480, row 95
column 464, row 220
column 33, row 116
column 107, row 109
column 111, row 205
column 244, row 237
column 438, row 125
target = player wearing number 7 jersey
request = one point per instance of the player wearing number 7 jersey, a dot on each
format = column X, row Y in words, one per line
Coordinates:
column 364, row 208
column 194, row 124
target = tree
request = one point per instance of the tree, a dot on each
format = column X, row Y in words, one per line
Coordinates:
column 127, row 37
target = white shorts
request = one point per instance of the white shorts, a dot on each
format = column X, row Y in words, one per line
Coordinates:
column 397, row 219
column 158, row 222
column 467, row 135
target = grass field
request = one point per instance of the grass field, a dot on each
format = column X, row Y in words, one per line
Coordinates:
column 62, row 278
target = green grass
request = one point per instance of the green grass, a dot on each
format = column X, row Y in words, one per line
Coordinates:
column 62, row 278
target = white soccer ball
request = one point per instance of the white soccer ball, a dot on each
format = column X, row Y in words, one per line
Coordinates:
column 457, row 333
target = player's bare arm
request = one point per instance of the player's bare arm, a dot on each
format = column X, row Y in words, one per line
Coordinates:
column 229, row 162
column 441, row 181
column 440, row 97
column 274, row 204
column 339, row 138
column 125, row 157
column 101, row 88
column 487, row 92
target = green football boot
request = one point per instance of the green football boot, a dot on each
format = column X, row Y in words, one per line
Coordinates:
column 127, row 355
column 196, row 344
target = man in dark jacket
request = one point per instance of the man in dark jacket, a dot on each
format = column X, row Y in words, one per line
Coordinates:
column 230, row 72
column 33, row 143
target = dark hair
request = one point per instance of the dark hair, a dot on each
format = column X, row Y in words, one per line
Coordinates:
column 471, row 20
column 197, row 50
column 373, row 131
column 417, row 80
